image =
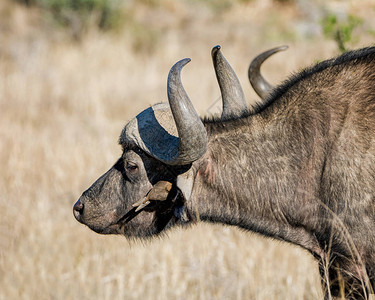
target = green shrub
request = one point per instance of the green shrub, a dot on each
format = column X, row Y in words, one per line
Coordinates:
column 77, row 14
column 340, row 31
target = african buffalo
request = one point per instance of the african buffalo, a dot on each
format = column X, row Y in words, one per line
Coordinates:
column 299, row 167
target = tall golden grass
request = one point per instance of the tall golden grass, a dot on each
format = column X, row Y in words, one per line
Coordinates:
column 62, row 106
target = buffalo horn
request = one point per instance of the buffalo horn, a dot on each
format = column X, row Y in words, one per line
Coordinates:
column 234, row 103
column 191, row 131
column 172, row 133
column 260, row 85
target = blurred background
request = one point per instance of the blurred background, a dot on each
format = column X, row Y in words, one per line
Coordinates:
column 73, row 72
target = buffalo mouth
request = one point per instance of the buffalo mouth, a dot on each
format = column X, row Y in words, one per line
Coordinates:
column 115, row 227
column 107, row 223
column 130, row 215
column 114, row 222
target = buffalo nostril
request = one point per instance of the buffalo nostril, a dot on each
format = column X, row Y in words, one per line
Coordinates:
column 78, row 209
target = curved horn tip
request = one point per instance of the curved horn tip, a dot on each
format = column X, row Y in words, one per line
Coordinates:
column 272, row 51
column 260, row 85
column 215, row 50
column 282, row 48
column 175, row 71
column 181, row 63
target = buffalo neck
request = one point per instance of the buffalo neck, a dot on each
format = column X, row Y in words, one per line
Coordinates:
column 257, row 174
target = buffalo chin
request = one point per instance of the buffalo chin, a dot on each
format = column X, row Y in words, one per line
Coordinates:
column 111, row 229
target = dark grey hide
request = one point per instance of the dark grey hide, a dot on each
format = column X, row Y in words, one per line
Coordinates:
column 299, row 168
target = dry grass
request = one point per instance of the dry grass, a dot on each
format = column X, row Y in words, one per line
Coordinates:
column 62, row 107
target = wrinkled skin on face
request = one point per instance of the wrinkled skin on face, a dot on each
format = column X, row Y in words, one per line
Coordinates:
column 103, row 206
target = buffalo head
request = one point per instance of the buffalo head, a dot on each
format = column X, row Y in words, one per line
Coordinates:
column 158, row 145
column 146, row 189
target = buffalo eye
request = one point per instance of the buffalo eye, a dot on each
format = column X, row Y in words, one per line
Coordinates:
column 131, row 168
